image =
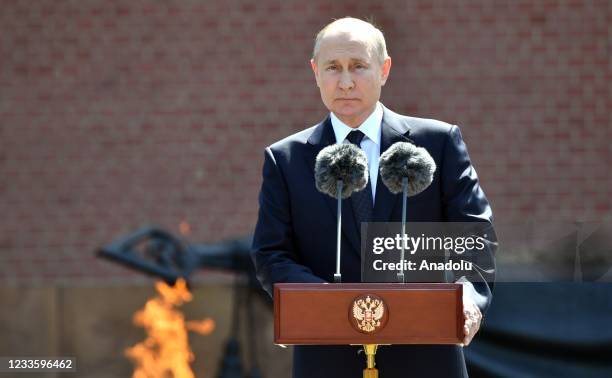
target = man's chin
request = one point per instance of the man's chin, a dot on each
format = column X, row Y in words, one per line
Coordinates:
column 348, row 110
column 352, row 119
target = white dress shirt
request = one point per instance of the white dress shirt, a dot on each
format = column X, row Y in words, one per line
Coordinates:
column 370, row 144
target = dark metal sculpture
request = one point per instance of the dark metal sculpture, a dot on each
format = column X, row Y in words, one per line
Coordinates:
column 158, row 253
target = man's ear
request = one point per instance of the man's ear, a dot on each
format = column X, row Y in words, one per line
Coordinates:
column 386, row 70
column 315, row 70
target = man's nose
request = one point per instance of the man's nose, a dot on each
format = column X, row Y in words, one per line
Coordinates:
column 346, row 81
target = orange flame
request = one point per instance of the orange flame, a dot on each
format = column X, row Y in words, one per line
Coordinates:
column 184, row 228
column 166, row 353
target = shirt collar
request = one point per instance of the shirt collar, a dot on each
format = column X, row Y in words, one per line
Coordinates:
column 370, row 127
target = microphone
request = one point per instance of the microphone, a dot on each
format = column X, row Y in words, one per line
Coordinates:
column 340, row 170
column 407, row 169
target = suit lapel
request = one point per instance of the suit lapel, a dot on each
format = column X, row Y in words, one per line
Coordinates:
column 392, row 131
column 323, row 136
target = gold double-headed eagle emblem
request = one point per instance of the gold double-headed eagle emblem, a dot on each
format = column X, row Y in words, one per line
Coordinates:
column 368, row 312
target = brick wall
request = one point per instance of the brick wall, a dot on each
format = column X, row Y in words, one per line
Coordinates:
column 114, row 115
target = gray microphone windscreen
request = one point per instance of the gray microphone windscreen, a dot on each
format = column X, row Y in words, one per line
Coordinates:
column 344, row 162
column 404, row 159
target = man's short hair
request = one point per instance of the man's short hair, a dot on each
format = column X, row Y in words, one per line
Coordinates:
column 377, row 44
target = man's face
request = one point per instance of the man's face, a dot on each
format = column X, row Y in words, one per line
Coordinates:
column 349, row 77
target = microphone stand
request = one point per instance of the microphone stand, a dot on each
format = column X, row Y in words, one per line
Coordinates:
column 337, row 275
column 400, row 275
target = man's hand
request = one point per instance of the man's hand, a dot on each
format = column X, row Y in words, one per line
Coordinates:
column 472, row 317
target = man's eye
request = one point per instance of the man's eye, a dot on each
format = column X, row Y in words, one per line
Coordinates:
column 332, row 68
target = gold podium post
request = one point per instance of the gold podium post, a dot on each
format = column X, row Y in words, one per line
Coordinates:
column 370, row 371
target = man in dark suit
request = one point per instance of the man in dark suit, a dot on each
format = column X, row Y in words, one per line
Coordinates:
column 295, row 235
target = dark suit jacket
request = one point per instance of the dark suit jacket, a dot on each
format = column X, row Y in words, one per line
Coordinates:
column 295, row 236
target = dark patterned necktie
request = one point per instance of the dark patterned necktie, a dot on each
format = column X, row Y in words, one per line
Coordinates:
column 362, row 200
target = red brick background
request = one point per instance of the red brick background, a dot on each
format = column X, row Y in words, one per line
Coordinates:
column 119, row 114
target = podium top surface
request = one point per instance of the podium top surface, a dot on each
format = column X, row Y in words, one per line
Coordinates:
column 368, row 286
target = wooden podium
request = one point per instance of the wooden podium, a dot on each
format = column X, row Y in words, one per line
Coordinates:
column 368, row 314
